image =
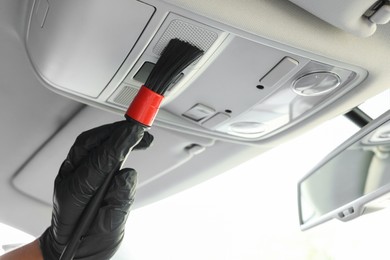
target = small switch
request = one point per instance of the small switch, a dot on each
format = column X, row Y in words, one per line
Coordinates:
column 144, row 72
column 280, row 70
column 216, row 120
column 199, row 112
column 195, row 149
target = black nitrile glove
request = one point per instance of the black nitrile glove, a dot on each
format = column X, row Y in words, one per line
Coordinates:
column 94, row 154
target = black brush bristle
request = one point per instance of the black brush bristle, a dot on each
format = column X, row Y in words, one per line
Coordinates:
column 176, row 56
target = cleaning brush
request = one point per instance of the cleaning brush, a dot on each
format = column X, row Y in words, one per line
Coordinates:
column 176, row 56
column 174, row 59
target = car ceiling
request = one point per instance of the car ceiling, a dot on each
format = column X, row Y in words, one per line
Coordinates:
column 32, row 115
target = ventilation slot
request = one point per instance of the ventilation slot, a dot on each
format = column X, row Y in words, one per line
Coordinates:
column 125, row 96
column 198, row 36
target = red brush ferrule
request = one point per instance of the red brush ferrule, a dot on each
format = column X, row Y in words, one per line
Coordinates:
column 145, row 106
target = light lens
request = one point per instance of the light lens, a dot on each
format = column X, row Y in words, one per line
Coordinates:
column 247, row 128
column 316, row 83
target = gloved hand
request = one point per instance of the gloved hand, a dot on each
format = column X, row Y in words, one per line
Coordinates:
column 94, row 154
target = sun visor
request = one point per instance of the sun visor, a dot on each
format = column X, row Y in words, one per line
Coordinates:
column 359, row 17
column 172, row 149
column 74, row 47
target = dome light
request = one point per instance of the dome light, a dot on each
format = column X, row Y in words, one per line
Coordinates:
column 247, row 128
column 316, row 83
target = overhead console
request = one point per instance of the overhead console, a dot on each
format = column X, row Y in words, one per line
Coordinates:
column 245, row 88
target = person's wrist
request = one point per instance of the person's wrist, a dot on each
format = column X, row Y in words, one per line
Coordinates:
column 31, row 251
column 47, row 246
column 37, row 250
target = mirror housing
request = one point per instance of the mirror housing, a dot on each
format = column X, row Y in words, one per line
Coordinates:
column 351, row 181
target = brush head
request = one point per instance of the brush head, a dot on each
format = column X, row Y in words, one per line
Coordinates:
column 176, row 56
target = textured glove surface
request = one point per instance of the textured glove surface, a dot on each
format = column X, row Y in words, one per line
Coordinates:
column 93, row 156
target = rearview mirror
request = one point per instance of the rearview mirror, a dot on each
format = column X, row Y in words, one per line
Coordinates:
column 352, row 180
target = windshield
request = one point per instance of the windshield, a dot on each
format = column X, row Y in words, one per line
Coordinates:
column 251, row 211
column 377, row 105
column 11, row 238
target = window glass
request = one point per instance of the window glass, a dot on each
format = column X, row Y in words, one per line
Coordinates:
column 249, row 212
column 11, row 237
column 377, row 105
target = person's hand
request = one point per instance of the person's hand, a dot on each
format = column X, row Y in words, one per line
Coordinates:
column 93, row 156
